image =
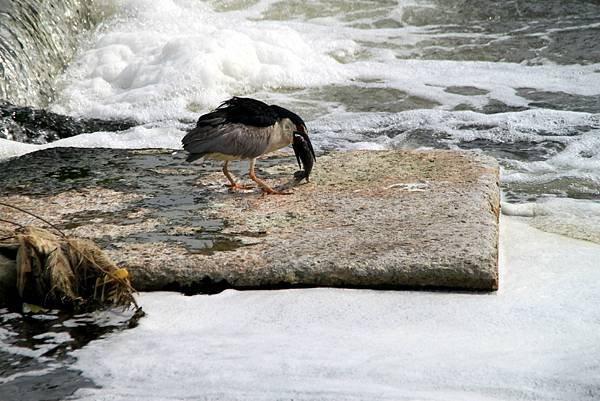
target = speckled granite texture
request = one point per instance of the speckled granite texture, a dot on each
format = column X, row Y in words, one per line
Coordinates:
column 373, row 219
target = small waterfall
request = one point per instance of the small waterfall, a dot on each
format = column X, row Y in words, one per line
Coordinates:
column 37, row 40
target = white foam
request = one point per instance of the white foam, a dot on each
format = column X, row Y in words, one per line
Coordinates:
column 13, row 149
column 530, row 125
column 429, row 78
column 134, row 138
column 578, row 164
column 537, row 338
column 466, row 125
column 571, row 217
column 169, row 59
column 582, row 153
column 166, row 59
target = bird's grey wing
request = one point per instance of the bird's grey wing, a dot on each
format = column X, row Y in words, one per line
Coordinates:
column 239, row 140
column 206, row 129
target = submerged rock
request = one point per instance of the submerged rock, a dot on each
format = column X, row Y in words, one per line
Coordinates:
column 31, row 125
column 385, row 219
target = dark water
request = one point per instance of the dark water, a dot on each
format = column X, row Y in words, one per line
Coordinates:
column 34, row 350
column 533, row 32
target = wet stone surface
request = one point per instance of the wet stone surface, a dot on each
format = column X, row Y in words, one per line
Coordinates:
column 390, row 219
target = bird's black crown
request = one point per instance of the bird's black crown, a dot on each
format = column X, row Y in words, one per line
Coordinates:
column 285, row 113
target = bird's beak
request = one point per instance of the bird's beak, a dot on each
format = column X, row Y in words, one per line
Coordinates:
column 305, row 154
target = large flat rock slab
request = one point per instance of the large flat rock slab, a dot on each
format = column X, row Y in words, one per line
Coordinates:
column 374, row 219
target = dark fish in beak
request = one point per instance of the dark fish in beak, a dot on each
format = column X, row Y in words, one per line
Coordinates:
column 305, row 155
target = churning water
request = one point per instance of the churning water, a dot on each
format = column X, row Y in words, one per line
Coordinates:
column 519, row 80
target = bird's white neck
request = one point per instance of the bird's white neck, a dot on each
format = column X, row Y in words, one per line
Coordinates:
column 280, row 138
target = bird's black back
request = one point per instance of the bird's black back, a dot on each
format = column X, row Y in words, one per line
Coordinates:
column 242, row 110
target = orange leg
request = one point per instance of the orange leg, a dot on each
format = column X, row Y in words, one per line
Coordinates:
column 234, row 185
column 263, row 185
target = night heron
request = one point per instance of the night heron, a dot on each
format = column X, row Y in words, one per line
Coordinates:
column 243, row 129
